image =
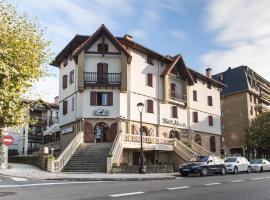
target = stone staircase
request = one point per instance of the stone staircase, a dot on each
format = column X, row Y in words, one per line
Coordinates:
column 89, row 158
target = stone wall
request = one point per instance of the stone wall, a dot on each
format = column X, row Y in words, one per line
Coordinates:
column 149, row 169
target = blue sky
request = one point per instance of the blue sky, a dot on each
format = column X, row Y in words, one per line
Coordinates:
column 208, row 33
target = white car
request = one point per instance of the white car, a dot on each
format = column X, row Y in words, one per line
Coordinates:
column 237, row 164
column 260, row 165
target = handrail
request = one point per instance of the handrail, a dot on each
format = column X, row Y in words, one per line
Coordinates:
column 199, row 149
column 65, row 156
column 115, row 151
column 146, row 139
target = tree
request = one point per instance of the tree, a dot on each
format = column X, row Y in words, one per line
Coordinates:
column 258, row 136
column 23, row 50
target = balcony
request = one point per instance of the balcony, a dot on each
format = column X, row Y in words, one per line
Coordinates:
column 102, row 79
column 265, row 96
column 178, row 96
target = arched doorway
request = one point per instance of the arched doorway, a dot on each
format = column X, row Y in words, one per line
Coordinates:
column 212, row 144
column 88, row 132
column 144, row 131
column 174, row 134
column 198, row 139
column 101, row 132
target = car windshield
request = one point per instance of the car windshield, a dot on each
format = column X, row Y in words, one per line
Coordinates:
column 256, row 162
column 199, row 159
column 230, row 160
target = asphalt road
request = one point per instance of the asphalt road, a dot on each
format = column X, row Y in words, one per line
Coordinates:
column 233, row 187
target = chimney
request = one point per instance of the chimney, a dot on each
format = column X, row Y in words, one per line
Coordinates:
column 56, row 100
column 209, row 72
column 128, row 37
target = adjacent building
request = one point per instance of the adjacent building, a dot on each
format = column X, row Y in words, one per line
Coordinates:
column 247, row 95
column 103, row 78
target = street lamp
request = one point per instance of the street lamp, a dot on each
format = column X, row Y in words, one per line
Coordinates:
column 140, row 106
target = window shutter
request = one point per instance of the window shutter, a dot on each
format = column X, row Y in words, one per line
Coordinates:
column 93, row 98
column 194, row 95
column 210, row 101
column 195, row 79
column 210, row 120
column 65, row 77
column 65, row 106
column 174, row 111
column 150, row 80
column 150, row 106
column 195, row 116
column 110, row 98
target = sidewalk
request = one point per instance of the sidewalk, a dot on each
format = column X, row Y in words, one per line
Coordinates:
column 32, row 172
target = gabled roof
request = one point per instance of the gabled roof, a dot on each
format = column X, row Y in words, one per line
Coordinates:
column 91, row 39
column 76, row 41
column 178, row 61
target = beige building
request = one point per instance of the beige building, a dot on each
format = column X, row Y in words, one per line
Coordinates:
column 247, row 95
column 103, row 78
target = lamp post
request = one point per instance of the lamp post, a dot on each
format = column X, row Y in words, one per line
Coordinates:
column 140, row 109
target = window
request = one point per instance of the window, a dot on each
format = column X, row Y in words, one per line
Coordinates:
column 210, row 120
column 150, row 60
column 72, row 104
column 101, row 98
column 102, row 48
column 174, row 111
column 65, row 62
column 195, row 117
column 251, row 110
column 150, row 107
column 65, row 77
column 71, row 77
column 209, row 85
column 65, row 107
column 194, row 95
column 250, row 97
column 195, row 79
column 212, row 144
column 254, row 97
column 173, row 88
column 222, row 113
column 150, row 80
column 198, row 139
column 210, row 101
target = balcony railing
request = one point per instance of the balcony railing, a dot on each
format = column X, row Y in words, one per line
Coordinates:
column 102, row 79
column 177, row 96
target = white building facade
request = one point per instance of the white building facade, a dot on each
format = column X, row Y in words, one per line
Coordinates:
column 103, row 77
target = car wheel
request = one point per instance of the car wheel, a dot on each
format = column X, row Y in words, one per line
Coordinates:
column 235, row 170
column 248, row 170
column 204, row 172
column 184, row 174
column 223, row 171
column 261, row 169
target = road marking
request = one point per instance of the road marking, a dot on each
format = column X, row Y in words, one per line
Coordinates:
column 48, row 184
column 178, row 188
column 19, row 179
column 178, row 178
column 236, row 181
column 208, row 184
column 259, row 178
column 126, row 194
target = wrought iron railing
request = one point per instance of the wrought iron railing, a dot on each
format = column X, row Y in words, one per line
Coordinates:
column 104, row 79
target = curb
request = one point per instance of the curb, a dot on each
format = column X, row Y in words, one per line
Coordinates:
column 113, row 179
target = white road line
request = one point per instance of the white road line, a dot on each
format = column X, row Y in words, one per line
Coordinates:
column 259, row 178
column 48, row 184
column 179, row 178
column 236, row 181
column 19, row 179
column 208, row 184
column 178, row 188
column 126, row 194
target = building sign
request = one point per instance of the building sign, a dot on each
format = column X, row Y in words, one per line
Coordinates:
column 68, row 130
column 173, row 122
column 101, row 112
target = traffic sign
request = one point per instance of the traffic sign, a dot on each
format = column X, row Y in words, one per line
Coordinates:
column 7, row 140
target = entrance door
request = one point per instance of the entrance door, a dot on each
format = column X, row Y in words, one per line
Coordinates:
column 101, row 132
column 113, row 132
column 88, row 132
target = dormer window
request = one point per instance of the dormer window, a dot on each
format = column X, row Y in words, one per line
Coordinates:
column 102, row 48
column 150, row 60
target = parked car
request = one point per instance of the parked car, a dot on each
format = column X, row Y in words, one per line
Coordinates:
column 259, row 165
column 237, row 164
column 203, row 165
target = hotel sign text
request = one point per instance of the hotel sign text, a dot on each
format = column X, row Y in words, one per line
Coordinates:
column 173, row 122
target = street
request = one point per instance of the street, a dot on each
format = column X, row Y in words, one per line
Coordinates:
column 240, row 187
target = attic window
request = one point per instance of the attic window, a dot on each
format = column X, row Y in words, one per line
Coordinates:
column 65, row 62
column 173, row 71
column 150, row 60
column 102, row 48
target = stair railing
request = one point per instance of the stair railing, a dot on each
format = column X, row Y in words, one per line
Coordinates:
column 200, row 150
column 131, row 138
column 115, row 152
column 183, row 150
column 65, row 156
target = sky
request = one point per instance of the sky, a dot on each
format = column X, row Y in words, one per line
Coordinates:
column 207, row 33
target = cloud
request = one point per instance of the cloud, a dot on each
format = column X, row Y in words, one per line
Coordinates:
column 179, row 35
column 242, row 29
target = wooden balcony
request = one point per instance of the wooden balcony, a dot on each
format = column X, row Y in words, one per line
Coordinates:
column 94, row 79
column 178, row 96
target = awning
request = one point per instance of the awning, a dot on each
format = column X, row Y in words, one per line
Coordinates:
column 51, row 130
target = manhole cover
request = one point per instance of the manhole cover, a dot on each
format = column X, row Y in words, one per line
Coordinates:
column 5, row 194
